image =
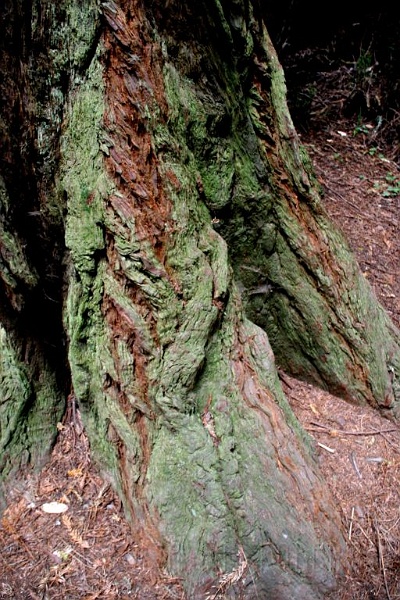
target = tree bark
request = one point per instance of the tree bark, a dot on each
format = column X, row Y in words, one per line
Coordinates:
column 155, row 140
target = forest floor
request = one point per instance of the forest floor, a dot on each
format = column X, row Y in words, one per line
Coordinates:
column 359, row 451
column 89, row 552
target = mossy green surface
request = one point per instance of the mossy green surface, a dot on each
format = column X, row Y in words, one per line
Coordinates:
column 29, row 409
column 255, row 180
column 52, row 41
column 15, row 267
column 84, row 182
column 215, row 488
column 83, row 178
column 87, row 187
column 15, row 390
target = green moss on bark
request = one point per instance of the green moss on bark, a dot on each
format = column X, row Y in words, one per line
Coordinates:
column 29, row 409
column 15, row 391
column 222, row 461
column 85, row 185
column 15, row 267
column 83, row 178
column 298, row 278
column 178, row 389
column 222, row 431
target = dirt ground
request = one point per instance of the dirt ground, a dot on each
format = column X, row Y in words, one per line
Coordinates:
column 89, row 551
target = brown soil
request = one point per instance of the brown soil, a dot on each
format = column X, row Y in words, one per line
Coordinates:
column 89, row 552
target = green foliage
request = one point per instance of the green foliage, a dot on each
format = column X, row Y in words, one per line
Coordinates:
column 390, row 187
column 393, row 189
column 361, row 128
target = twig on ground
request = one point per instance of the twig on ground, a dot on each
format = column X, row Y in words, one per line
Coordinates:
column 332, row 450
column 335, row 432
column 365, row 534
column 395, row 448
column 357, row 208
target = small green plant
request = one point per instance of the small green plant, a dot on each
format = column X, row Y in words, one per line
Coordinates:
column 389, row 187
column 390, row 178
column 360, row 129
column 392, row 190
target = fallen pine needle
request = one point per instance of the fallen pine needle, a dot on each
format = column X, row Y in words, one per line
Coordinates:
column 229, row 579
column 351, row 523
column 326, row 448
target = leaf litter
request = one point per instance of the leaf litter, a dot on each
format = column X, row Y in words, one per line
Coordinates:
column 87, row 552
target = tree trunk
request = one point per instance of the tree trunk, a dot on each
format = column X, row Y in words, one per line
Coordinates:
column 156, row 143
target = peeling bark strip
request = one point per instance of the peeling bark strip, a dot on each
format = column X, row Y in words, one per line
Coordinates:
column 174, row 158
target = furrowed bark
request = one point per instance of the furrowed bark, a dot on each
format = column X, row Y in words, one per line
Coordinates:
column 298, row 279
column 322, row 318
column 178, row 390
